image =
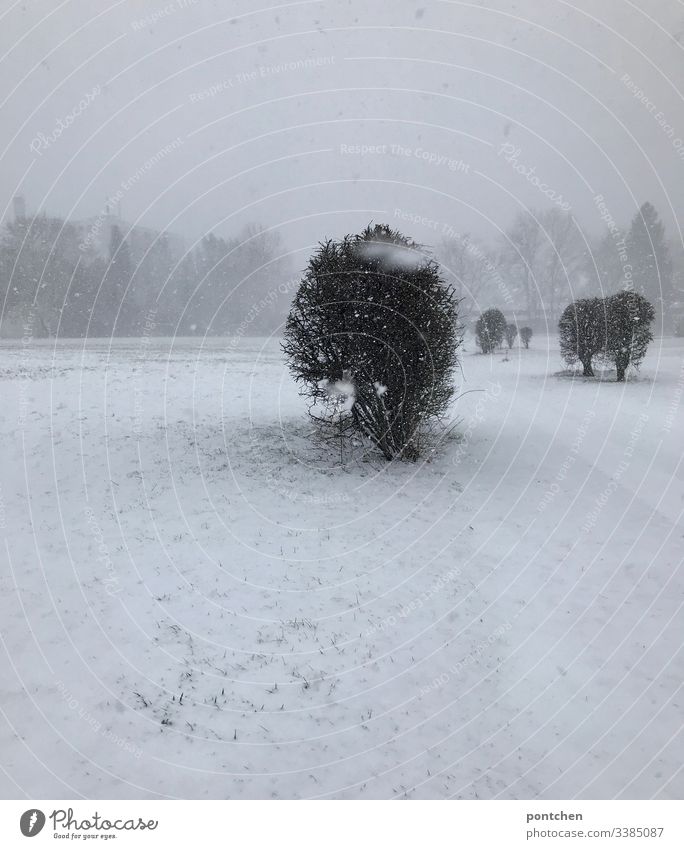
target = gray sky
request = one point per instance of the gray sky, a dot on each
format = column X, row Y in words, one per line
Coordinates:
column 267, row 112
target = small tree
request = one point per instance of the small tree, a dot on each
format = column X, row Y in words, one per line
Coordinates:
column 582, row 329
column 372, row 339
column 511, row 333
column 489, row 330
column 526, row 336
column 629, row 330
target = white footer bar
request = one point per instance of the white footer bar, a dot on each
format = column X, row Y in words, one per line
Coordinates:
column 344, row 824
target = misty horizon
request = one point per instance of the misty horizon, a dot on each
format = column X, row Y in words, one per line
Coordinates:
column 334, row 86
column 342, row 372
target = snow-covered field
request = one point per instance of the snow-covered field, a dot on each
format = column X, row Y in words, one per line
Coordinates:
column 199, row 601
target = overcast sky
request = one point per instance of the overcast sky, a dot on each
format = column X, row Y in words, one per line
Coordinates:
column 264, row 112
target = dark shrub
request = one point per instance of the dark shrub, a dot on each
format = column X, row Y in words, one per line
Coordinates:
column 489, row 330
column 582, row 329
column 372, row 339
column 629, row 330
column 511, row 333
column 526, row 336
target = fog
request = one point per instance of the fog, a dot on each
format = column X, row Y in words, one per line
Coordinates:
column 342, row 374
column 312, row 119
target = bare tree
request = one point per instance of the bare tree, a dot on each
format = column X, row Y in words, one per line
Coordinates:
column 545, row 257
column 521, row 255
column 562, row 260
column 470, row 269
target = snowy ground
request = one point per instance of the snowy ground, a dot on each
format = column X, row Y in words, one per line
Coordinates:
column 197, row 601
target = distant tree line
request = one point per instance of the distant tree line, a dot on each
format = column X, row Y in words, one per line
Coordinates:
column 53, row 276
column 544, row 259
column 55, row 282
